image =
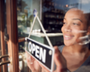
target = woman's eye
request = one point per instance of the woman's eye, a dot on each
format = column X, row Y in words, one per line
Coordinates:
column 64, row 22
column 75, row 24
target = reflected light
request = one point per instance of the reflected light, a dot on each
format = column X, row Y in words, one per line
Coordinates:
column 67, row 5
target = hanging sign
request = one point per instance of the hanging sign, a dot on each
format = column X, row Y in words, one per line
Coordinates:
column 43, row 53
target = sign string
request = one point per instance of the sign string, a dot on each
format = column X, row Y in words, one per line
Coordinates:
column 36, row 16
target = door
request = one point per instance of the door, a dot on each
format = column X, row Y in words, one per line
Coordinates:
column 8, row 14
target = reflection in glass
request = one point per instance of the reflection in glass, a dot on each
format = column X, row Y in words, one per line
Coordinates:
column 25, row 15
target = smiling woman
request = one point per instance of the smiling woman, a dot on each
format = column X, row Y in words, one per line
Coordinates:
column 74, row 55
column 75, row 26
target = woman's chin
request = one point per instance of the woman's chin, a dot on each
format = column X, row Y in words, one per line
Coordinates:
column 67, row 44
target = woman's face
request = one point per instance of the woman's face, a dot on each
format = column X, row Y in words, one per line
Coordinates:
column 74, row 27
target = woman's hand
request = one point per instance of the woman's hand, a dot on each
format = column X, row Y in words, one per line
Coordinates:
column 59, row 61
column 32, row 63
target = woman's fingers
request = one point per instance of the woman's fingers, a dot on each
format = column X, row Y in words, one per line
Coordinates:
column 32, row 63
column 37, row 66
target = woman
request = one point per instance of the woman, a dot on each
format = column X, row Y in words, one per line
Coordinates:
column 74, row 56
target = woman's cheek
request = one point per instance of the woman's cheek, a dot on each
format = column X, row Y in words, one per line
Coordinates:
column 75, row 31
column 78, row 31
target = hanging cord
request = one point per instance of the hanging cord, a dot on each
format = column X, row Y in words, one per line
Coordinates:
column 32, row 26
column 41, row 27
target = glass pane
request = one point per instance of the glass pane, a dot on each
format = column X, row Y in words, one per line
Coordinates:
column 25, row 15
column 25, row 18
column 54, row 11
column 51, row 14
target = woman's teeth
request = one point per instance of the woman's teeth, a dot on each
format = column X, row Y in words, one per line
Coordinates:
column 66, row 37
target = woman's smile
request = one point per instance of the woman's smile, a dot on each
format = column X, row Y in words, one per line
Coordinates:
column 68, row 37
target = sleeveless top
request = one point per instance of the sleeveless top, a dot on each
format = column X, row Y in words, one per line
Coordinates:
column 85, row 67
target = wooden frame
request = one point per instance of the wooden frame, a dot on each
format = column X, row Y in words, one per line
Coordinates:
column 11, row 18
column 2, row 33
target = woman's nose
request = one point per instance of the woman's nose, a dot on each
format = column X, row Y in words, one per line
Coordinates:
column 68, row 28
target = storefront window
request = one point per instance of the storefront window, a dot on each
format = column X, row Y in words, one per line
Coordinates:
column 54, row 11
column 24, row 21
column 25, row 15
column 50, row 12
